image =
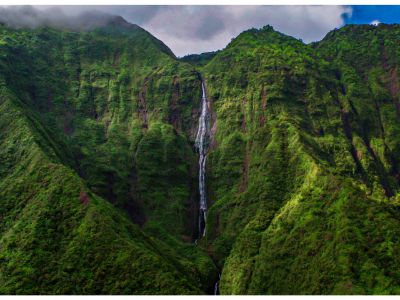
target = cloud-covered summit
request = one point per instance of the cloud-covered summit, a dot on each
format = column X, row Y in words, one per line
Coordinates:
column 59, row 17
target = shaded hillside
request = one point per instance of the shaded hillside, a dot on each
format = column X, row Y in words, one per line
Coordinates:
column 199, row 59
column 96, row 139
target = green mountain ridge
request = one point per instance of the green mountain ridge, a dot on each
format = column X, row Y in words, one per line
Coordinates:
column 311, row 163
column 99, row 171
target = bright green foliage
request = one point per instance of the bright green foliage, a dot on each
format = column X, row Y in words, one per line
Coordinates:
column 303, row 168
column 99, row 175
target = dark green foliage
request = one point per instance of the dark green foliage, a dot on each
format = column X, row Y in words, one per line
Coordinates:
column 199, row 59
column 89, row 117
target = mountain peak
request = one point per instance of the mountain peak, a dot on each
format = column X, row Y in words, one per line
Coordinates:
column 32, row 17
column 120, row 22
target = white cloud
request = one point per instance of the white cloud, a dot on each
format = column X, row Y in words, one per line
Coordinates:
column 375, row 22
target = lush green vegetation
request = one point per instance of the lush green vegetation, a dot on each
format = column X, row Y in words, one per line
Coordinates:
column 96, row 134
column 304, row 171
column 199, row 59
column 98, row 174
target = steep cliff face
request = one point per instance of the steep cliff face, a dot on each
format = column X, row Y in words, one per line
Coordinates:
column 114, row 95
column 99, row 174
column 304, row 170
column 97, row 139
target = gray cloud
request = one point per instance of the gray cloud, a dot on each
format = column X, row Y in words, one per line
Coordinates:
column 187, row 29
column 29, row 16
column 206, row 28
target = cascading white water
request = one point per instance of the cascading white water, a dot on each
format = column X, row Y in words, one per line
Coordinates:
column 202, row 140
column 202, row 147
column 216, row 285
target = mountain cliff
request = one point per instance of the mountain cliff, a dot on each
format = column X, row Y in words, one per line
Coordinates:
column 97, row 168
column 99, row 172
column 304, row 170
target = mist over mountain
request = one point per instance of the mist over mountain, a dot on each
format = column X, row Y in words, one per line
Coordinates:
column 31, row 17
column 269, row 167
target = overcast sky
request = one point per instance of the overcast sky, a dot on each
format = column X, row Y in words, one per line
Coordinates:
column 197, row 29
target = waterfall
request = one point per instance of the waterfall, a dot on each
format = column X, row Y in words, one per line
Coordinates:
column 201, row 144
column 216, row 286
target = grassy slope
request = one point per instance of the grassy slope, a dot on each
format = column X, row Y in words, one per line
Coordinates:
column 302, row 185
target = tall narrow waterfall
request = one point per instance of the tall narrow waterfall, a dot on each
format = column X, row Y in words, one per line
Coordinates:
column 202, row 147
